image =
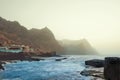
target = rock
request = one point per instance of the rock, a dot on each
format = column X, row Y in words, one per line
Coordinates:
column 95, row 73
column 112, row 68
column 95, row 63
column 35, row 58
column 11, row 56
column 1, row 67
column 60, row 59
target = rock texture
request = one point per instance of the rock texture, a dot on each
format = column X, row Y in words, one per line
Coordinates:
column 95, row 73
column 112, row 68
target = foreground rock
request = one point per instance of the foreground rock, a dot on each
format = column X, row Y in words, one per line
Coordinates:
column 94, row 69
column 95, row 63
column 112, row 68
column 95, row 73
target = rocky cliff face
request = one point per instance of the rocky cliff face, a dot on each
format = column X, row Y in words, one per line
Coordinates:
column 40, row 39
column 77, row 47
column 44, row 39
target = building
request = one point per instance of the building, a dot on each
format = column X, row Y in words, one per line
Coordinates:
column 11, row 49
column 16, row 49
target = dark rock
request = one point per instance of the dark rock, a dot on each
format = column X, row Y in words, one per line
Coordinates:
column 60, row 59
column 35, row 59
column 112, row 68
column 95, row 63
column 65, row 58
column 1, row 66
column 93, row 73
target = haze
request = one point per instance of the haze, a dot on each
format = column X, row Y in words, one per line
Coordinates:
column 95, row 20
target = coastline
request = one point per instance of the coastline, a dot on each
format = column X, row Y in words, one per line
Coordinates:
column 94, row 72
column 7, row 57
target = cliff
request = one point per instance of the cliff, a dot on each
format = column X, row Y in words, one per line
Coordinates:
column 77, row 47
column 40, row 39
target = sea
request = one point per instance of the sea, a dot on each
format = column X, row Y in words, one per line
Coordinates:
column 48, row 69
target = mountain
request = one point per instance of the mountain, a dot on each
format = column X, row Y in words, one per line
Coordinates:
column 77, row 47
column 40, row 39
column 11, row 32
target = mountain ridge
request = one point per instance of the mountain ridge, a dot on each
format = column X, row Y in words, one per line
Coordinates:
column 40, row 39
column 77, row 47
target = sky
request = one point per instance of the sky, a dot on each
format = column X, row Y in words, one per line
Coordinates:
column 96, row 20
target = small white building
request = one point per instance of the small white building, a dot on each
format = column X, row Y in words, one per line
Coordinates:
column 11, row 49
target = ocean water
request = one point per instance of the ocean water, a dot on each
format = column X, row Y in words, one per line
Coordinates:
column 48, row 69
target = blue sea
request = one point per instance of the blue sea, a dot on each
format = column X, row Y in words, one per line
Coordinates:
column 47, row 69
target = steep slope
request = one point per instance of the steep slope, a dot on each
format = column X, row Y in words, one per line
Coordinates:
column 76, row 47
column 44, row 39
column 39, row 39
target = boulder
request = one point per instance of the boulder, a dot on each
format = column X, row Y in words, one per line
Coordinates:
column 95, row 63
column 112, row 68
column 93, row 73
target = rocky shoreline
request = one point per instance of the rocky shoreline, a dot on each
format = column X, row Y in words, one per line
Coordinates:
column 95, row 73
column 108, row 69
column 94, row 68
column 12, row 57
column 97, row 69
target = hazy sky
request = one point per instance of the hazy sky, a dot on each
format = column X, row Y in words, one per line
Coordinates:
column 96, row 20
